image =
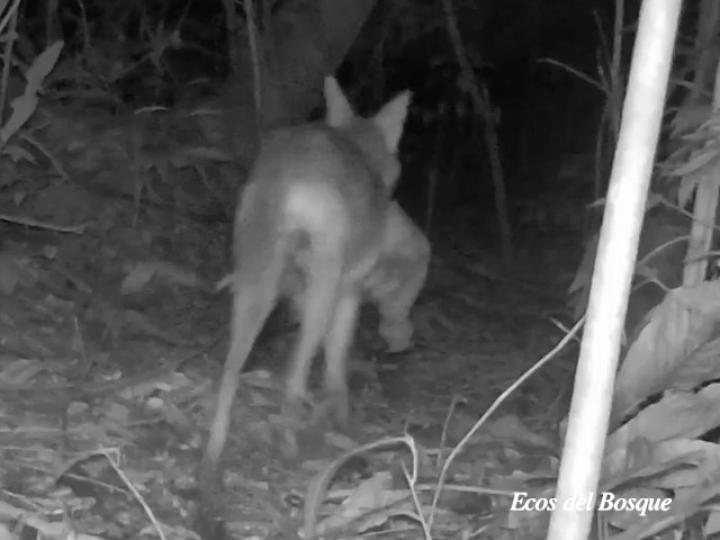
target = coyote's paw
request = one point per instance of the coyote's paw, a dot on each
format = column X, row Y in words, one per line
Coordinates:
column 333, row 411
column 338, row 404
column 397, row 334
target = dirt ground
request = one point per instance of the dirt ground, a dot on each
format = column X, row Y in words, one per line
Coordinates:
column 112, row 340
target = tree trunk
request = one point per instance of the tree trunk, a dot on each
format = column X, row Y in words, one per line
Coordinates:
column 301, row 43
column 305, row 41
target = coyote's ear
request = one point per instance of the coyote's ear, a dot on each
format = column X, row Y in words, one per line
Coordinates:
column 391, row 119
column 339, row 112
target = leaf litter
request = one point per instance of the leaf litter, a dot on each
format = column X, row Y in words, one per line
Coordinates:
column 106, row 411
column 111, row 339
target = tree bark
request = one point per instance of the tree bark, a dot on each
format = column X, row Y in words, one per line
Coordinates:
column 302, row 42
column 305, row 41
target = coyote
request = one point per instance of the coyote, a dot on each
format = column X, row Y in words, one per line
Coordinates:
column 316, row 223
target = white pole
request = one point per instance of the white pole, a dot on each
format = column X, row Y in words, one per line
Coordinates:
column 614, row 263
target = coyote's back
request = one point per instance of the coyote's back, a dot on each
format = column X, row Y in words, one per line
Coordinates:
column 311, row 189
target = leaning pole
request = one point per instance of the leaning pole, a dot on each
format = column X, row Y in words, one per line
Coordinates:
column 614, row 264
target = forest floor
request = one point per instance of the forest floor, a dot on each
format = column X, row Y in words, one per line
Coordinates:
column 112, row 341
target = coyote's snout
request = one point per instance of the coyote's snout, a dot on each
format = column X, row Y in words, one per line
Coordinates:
column 316, row 223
